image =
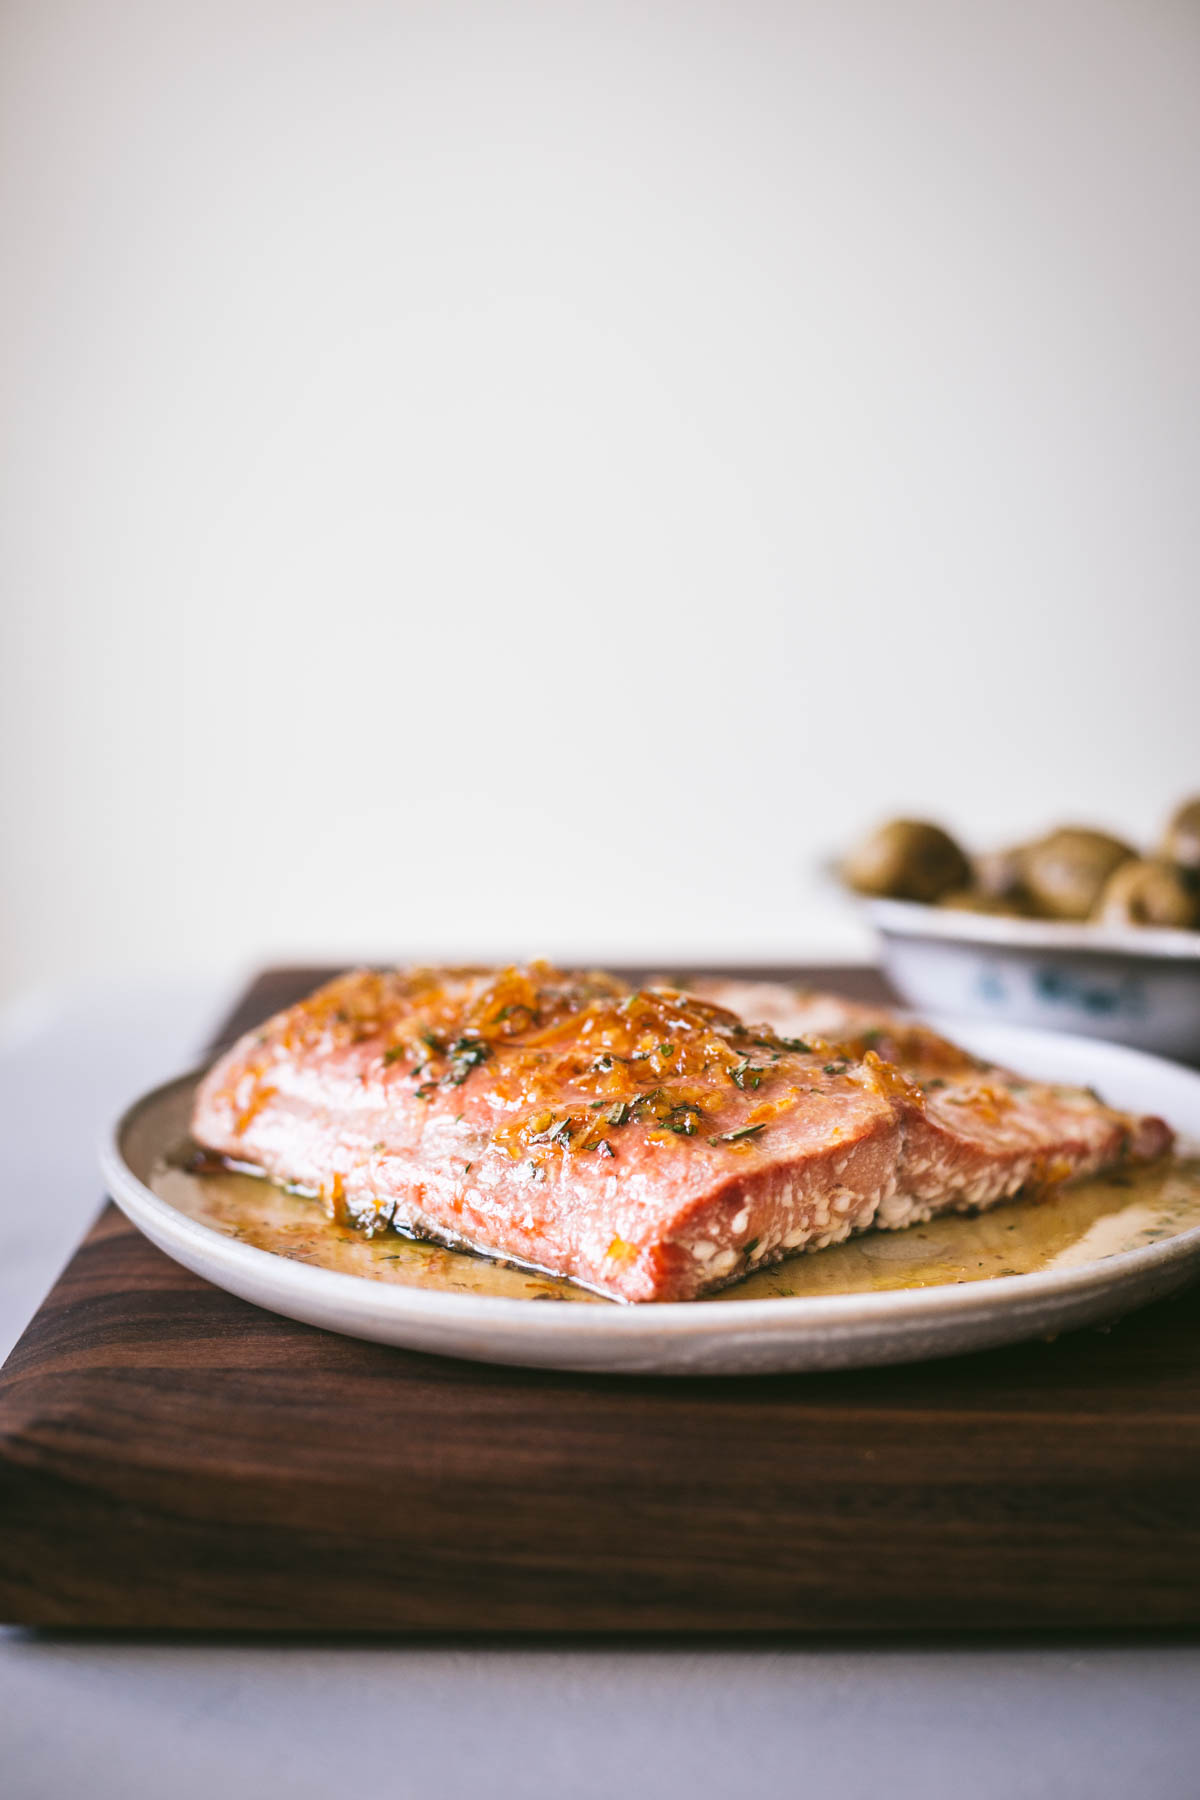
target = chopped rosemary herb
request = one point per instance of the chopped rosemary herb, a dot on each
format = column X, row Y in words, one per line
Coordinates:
column 746, row 1074
column 797, row 1044
column 731, row 1137
column 604, row 1148
column 465, row 1055
column 683, row 1119
column 395, row 1053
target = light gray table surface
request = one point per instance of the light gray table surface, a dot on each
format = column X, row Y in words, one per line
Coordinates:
column 226, row 1720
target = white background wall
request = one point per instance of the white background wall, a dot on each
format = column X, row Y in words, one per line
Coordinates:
column 487, row 478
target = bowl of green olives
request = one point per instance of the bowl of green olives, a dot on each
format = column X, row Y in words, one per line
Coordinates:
column 1076, row 930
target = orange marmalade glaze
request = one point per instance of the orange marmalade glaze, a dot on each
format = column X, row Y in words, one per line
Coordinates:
column 571, row 1059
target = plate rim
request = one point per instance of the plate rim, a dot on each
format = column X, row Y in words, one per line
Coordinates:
column 670, row 1319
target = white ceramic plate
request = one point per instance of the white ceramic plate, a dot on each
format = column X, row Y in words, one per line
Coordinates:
column 734, row 1337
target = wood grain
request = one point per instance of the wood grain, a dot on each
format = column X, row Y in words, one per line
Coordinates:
column 171, row 1457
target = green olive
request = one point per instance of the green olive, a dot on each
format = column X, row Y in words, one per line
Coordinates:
column 1066, row 871
column 907, row 859
column 1181, row 843
column 1153, row 892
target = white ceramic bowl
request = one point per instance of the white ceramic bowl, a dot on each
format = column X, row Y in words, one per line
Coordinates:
column 1132, row 985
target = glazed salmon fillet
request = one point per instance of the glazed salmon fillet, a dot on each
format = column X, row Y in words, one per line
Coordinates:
column 649, row 1143
column 979, row 1133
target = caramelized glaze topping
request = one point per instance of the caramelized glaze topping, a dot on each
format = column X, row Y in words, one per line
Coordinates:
column 573, row 1060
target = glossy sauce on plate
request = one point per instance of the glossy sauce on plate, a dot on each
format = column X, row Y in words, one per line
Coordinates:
column 1082, row 1222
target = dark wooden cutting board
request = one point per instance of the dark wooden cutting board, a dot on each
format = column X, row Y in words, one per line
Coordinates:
column 171, row 1457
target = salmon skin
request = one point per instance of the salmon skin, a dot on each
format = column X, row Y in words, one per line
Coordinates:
column 649, row 1142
